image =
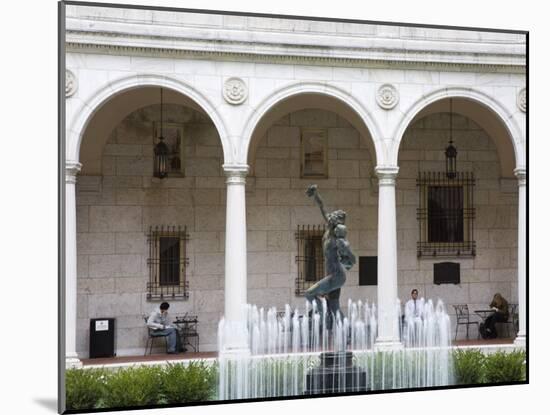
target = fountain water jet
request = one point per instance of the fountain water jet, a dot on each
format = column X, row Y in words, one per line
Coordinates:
column 291, row 353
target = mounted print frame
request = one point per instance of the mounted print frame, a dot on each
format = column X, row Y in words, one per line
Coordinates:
column 314, row 157
column 272, row 141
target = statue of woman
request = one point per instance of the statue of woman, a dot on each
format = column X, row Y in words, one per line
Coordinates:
column 338, row 256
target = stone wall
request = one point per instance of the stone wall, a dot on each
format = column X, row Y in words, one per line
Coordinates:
column 115, row 210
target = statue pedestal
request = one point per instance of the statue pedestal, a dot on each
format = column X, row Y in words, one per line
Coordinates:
column 336, row 374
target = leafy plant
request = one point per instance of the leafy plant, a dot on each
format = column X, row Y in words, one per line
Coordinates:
column 134, row 387
column 469, row 366
column 191, row 383
column 505, row 367
column 85, row 388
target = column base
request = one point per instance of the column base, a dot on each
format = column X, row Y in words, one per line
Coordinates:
column 72, row 362
column 383, row 345
column 520, row 341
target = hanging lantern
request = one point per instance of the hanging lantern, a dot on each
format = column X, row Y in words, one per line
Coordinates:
column 161, row 159
column 161, row 151
column 450, row 155
column 450, row 151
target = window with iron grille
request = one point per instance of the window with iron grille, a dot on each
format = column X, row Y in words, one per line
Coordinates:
column 310, row 258
column 167, row 263
column 446, row 214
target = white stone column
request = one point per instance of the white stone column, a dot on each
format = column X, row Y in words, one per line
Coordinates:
column 388, row 329
column 235, row 259
column 522, row 255
column 71, row 170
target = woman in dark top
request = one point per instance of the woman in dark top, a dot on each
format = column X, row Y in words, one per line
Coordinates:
column 500, row 308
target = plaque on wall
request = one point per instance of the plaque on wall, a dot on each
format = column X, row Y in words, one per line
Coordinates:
column 447, row 273
column 368, row 270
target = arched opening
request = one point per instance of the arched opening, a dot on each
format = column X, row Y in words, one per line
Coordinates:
column 442, row 220
column 282, row 221
column 143, row 240
column 119, row 107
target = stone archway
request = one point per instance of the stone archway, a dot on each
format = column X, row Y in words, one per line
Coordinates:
column 503, row 117
column 500, row 126
column 299, row 96
column 84, row 115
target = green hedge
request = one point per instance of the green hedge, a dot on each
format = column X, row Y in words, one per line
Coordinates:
column 139, row 386
column 474, row 367
column 196, row 382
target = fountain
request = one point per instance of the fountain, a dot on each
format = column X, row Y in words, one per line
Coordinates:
column 321, row 350
column 294, row 353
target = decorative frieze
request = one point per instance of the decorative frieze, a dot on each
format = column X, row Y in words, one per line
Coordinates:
column 387, row 96
column 235, row 91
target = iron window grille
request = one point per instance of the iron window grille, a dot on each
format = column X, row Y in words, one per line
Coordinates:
column 446, row 215
column 310, row 258
column 167, row 263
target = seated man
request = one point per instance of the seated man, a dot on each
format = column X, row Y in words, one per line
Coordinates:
column 412, row 319
column 160, row 322
column 413, row 307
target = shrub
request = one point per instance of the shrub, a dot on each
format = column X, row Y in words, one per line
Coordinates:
column 134, row 386
column 505, row 367
column 469, row 366
column 192, row 383
column 85, row 388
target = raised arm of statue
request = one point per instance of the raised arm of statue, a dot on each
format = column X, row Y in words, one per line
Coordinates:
column 313, row 192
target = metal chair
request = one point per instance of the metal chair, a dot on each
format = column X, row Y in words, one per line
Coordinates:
column 463, row 317
column 512, row 319
column 151, row 336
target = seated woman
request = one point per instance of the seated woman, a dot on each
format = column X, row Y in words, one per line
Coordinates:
column 500, row 307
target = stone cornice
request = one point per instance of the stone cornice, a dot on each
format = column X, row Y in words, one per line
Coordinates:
column 381, row 59
column 91, row 36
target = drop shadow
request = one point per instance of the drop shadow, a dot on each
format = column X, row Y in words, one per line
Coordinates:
column 48, row 403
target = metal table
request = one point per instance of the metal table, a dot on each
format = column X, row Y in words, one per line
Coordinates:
column 187, row 327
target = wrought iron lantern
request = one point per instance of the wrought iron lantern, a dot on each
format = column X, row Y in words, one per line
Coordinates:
column 161, row 150
column 450, row 151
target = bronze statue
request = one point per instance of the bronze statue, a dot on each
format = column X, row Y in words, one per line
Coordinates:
column 338, row 257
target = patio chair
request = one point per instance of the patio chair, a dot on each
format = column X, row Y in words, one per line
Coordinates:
column 151, row 336
column 512, row 320
column 464, row 318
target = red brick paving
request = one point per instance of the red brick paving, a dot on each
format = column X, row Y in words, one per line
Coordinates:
column 206, row 355
column 148, row 358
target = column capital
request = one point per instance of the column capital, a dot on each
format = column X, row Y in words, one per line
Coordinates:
column 235, row 173
column 521, row 174
column 71, row 170
column 386, row 175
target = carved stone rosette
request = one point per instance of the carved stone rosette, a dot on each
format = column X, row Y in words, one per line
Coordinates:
column 387, row 96
column 522, row 100
column 235, row 91
column 71, row 83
